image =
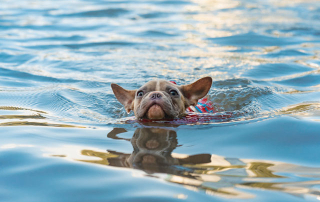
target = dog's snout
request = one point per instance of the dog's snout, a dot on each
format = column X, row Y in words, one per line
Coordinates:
column 155, row 95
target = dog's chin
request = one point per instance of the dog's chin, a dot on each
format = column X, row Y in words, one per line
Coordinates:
column 155, row 112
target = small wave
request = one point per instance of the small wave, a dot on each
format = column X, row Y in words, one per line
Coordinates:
column 28, row 76
column 154, row 33
column 30, row 123
column 234, row 94
column 17, row 116
column 232, row 83
column 302, row 109
column 302, row 81
column 110, row 12
column 103, row 43
column 17, row 59
column 154, row 15
column 59, row 38
column 287, row 53
column 83, row 45
column 254, row 39
column 168, row 2
column 276, row 70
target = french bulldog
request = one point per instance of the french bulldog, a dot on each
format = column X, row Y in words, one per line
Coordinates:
column 152, row 152
column 161, row 99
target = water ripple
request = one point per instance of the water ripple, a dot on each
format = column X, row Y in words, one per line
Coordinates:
column 58, row 59
column 254, row 39
column 110, row 12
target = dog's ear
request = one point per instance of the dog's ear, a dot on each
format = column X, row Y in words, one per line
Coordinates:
column 125, row 97
column 197, row 90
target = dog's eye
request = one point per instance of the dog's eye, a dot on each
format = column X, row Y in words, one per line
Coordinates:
column 140, row 93
column 173, row 93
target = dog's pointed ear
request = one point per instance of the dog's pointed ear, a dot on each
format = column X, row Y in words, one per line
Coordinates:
column 197, row 90
column 125, row 97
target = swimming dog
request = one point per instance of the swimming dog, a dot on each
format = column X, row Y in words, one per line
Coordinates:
column 161, row 99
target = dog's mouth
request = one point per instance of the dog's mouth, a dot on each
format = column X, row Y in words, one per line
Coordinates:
column 155, row 111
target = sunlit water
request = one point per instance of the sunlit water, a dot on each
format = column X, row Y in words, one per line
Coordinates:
column 64, row 136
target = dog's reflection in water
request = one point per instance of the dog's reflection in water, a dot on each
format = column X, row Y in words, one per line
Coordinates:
column 152, row 152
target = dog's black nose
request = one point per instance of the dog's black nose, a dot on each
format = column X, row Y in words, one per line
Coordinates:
column 155, row 96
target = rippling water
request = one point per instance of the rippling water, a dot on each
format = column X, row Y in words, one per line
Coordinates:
column 64, row 135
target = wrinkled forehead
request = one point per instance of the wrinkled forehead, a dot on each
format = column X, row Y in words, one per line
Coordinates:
column 158, row 85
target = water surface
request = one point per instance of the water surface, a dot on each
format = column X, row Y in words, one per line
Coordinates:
column 64, row 135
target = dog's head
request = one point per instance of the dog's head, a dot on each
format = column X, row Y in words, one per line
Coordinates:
column 160, row 99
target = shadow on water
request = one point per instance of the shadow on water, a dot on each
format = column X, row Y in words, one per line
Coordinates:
column 213, row 174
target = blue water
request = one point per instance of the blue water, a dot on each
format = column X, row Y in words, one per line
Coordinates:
column 64, row 136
